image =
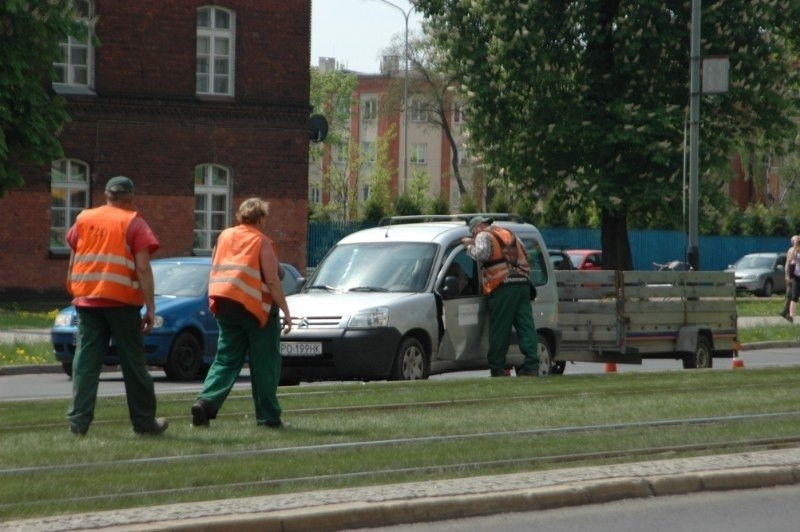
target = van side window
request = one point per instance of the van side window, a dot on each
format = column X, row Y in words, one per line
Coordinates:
column 537, row 261
column 466, row 270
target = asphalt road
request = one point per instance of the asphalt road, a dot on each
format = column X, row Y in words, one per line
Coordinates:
column 55, row 384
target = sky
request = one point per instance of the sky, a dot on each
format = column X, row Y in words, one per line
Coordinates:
column 354, row 32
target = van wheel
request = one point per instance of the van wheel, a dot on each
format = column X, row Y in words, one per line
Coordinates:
column 547, row 366
column 67, row 367
column 411, row 362
column 701, row 358
column 185, row 358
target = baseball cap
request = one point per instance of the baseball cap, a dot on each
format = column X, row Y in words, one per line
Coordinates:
column 473, row 223
column 120, row 183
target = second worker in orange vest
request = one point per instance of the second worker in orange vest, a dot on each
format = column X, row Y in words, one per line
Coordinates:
column 245, row 295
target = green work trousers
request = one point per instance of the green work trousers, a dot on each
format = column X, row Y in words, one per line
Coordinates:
column 510, row 305
column 240, row 334
column 96, row 327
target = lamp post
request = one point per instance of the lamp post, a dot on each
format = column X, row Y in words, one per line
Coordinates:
column 406, row 14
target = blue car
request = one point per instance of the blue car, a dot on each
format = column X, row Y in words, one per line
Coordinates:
column 184, row 337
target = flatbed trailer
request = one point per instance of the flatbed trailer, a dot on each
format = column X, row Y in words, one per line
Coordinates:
column 629, row 316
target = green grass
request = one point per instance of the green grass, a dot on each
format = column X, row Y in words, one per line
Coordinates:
column 26, row 319
column 44, row 471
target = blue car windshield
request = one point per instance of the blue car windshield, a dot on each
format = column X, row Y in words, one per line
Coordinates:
column 180, row 279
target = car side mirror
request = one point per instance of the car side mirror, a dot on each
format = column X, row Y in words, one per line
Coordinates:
column 450, row 287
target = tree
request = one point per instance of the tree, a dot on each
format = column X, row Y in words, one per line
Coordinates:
column 30, row 114
column 430, row 89
column 331, row 95
column 590, row 97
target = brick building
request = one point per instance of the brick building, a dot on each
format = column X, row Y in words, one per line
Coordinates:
column 201, row 103
column 428, row 149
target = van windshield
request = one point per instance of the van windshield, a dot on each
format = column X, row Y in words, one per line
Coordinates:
column 379, row 267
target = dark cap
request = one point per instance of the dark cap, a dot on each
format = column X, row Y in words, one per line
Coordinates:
column 120, row 184
column 473, row 223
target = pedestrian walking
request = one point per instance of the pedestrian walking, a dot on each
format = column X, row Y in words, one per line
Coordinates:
column 792, row 273
column 245, row 295
column 504, row 265
column 110, row 278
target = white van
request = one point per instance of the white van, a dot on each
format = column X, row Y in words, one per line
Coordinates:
column 402, row 301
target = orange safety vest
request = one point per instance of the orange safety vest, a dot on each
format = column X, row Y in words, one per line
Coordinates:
column 497, row 269
column 236, row 272
column 104, row 265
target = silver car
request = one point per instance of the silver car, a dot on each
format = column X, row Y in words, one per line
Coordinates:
column 760, row 273
column 403, row 302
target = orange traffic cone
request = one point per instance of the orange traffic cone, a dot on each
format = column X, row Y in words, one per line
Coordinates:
column 736, row 362
column 611, row 367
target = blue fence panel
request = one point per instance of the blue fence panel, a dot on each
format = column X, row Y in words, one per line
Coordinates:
column 323, row 235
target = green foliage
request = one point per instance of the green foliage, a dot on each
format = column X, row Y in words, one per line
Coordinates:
column 406, row 206
column 373, row 211
column 439, row 205
column 30, row 115
column 592, row 117
column 468, row 204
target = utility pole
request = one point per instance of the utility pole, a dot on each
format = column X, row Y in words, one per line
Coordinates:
column 693, row 250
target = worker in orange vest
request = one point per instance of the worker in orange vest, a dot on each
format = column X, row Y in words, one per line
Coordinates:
column 110, row 278
column 505, row 271
column 245, row 295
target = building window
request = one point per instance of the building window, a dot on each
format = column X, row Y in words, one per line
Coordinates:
column 314, row 194
column 69, row 195
column 369, row 109
column 339, row 153
column 458, row 114
column 212, row 193
column 463, row 156
column 215, row 51
column 419, row 153
column 75, row 67
column 368, row 151
column 419, row 111
column 365, row 192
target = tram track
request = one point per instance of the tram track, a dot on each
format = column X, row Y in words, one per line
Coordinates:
column 473, row 468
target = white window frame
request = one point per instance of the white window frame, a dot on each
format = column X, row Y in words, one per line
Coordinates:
column 419, row 153
column 206, row 82
column 368, row 151
column 69, row 182
column 458, row 114
column 314, row 194
column 207, row 186
column 419, row 111
column 369, row 109
column 68, row 70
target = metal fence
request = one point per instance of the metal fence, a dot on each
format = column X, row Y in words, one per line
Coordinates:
column 716, row 252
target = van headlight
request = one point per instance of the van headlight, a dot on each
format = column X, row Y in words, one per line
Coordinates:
column 369, row 318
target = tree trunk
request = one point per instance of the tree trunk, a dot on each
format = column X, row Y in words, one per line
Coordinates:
column 615, row 243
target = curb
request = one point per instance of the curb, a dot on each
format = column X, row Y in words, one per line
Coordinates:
column 438, row 500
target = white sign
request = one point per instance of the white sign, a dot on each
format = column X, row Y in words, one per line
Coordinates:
column 715, row 75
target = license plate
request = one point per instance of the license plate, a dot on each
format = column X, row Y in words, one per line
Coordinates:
column 301, row 349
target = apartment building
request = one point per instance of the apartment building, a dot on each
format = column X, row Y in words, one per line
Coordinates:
column 423, row 149
column 203, row 104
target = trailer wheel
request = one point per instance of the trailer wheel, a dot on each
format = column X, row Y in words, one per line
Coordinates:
column 411, row 362
column 547, row 366
column 701, row 358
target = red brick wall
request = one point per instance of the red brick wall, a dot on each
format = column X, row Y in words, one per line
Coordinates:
column 146, row 122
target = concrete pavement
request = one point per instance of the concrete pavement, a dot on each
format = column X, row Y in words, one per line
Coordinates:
column 419, row 502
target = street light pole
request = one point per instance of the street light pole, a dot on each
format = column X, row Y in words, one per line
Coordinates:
column 406, row 14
